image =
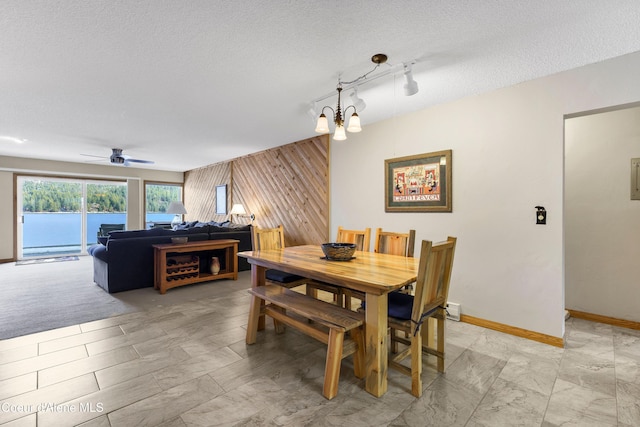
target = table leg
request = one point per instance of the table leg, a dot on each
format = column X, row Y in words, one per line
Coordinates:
column 376, row 325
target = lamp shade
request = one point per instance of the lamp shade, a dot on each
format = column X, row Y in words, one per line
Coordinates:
column 176, row 208
column 354, row 123
column 339, row 134
column 237, row 209
column 322, row 125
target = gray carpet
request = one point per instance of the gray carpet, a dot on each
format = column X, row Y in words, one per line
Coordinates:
column 40, row 297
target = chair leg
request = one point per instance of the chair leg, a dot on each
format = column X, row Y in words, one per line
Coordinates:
column 394, row 343
column 254, row 317
column 332, row 365
column 311, row 292
column 440, row 343
column 416, row 365
column 347, row 299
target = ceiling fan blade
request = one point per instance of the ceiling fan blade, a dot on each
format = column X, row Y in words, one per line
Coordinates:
column 128, row 161
column 92, row 155
column 140, row 161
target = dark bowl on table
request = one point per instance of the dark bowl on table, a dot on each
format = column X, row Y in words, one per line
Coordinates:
column 339, row 251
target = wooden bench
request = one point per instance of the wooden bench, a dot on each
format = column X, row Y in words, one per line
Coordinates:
column 329, row 324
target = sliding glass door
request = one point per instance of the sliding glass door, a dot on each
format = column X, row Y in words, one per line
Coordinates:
column 62, row 216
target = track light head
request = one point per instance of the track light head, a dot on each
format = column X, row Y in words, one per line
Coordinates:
column 410, row 86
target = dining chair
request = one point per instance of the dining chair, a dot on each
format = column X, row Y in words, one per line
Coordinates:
column 273, row 238
column 392, row 243
column 342, row 297
column 409, row 313
column 362, row 238
column 104, row 229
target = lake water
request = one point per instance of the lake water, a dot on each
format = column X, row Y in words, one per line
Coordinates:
column 46, row 233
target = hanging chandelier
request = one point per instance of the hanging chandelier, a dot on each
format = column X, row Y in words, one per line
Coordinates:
column 339, row 135
column 339, row 114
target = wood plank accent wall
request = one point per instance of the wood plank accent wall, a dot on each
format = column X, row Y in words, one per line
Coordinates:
column 286, row 185
column 200, row 192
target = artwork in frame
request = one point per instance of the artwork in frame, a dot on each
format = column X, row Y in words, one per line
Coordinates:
column 221, row 199
column 420, row 183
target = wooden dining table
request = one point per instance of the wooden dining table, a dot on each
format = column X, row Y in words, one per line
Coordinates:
column 372, row 273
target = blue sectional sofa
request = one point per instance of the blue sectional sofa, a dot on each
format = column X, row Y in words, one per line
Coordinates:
column 124, row 260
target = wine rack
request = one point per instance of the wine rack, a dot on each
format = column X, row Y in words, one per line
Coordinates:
column 182, row 267
column 179, row 264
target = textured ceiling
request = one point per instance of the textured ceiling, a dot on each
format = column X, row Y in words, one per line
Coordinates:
column 190, row 83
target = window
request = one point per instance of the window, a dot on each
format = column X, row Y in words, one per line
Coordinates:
column 158, row 196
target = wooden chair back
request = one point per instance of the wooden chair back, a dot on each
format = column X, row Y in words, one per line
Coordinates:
column 273, row 238
column 267, row 238
column 434, row 276
column 388, row 242
column 362, row 238
column 104, row 229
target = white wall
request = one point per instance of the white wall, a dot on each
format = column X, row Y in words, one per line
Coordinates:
column 602, row 231
column 135, row 178
column 507, row 158
column 6, row 215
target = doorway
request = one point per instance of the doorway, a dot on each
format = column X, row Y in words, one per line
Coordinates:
column 602, row 222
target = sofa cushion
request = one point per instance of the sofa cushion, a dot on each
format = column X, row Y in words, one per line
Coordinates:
column 400, row 305
column 281, row 276
column 186, row 225
column 218, row 224
column 229, row 226
column 139, row 233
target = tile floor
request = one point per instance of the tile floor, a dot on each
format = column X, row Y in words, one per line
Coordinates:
column 187, row 365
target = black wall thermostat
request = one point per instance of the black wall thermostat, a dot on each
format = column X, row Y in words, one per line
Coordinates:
column 541, row 215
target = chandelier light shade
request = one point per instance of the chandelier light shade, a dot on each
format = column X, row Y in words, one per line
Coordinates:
column 354, row 123
column 322, row 126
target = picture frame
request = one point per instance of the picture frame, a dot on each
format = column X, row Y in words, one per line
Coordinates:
column 221, row 199
column 419, row 183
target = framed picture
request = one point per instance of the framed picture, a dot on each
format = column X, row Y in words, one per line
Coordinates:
column 221, row 199
column 420, row 183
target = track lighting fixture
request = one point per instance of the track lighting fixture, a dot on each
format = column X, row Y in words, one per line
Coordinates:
column 357, row 101
column 410, row 86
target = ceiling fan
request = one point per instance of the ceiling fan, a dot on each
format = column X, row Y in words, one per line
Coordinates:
column 117, row 158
